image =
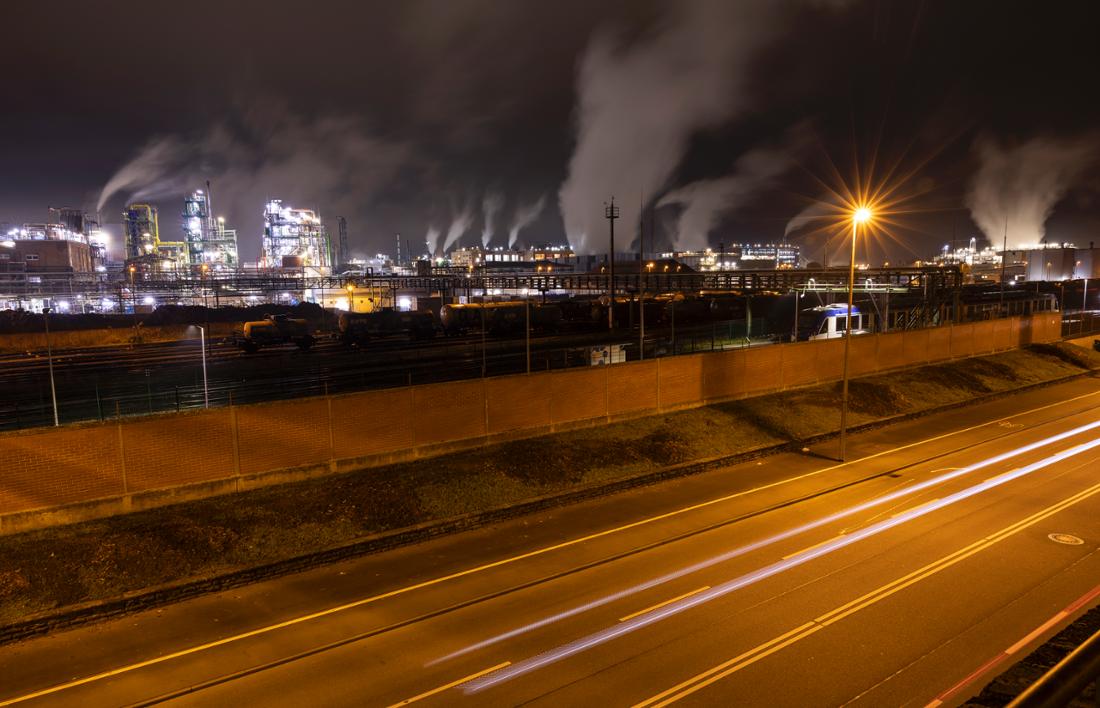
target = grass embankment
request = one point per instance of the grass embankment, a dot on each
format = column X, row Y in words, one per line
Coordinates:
column 53, row 568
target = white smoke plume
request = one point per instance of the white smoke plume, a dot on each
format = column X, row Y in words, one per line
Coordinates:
column 432, row 240
column 639, row 105
column 331, row 164
column 1023, row 182
column 490, row 205
column 705, row 201
column 815, row 212
column 525, row 215
column 460, row 224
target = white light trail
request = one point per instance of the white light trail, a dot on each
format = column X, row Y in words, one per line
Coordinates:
column 546, row 658
column 762, row 543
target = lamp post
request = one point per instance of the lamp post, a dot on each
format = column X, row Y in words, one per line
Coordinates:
column 611, row 212
column 49, row 359
column 205, row 388
column 351, row 297
column 133, row 295
column 859, row 216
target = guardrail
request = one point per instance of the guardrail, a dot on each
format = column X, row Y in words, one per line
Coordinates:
column 1066, row 681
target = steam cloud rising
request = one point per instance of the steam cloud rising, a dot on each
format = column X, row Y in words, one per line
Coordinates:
column 705, row 201
column 525, row 215
column 432, row 241
column 639, row 105
column 331, row 161
column 490, row 205
column 1023, row 183
column 460, row 224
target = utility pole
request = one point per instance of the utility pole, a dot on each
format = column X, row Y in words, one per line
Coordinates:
column 1004, row 262
column 641, row 275
column 611, row 212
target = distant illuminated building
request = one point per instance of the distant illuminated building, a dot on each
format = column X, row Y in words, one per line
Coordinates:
column 1057, row 261
column 500, row 257
column 294, row 238
column 144, row 249
column 141, row 228
column 777, row 255
column 747, row 256
column 209, row 242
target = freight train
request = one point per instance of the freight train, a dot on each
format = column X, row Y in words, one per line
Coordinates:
column 359, row 328
column 499, row 318
column 819, row 314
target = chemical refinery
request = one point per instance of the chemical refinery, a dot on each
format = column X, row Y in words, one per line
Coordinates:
column 193, row 257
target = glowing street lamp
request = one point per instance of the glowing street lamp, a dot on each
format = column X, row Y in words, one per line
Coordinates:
column 351, row 297
column 861, row 215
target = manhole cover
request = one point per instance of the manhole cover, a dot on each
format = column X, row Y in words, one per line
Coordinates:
column 1065, row 538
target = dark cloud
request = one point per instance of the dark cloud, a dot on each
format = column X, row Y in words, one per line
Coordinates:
column 430, row 113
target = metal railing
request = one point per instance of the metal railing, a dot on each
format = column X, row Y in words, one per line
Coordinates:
column 143, row 388
column 1080, row 323
column 1067, row 680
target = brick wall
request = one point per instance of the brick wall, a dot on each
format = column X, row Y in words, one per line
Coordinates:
column 46, row 468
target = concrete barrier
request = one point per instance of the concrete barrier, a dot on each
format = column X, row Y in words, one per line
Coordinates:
column 58, row 475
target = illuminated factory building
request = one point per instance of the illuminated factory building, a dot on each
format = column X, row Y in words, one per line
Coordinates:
column 294, row 238
column 209, row 242
column 144, row 249
column 758, row 256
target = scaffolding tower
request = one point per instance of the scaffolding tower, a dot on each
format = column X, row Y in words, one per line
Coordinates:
column 294, row 238
column 209, row 242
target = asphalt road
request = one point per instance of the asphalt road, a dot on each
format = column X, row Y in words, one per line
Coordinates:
column 904, row 577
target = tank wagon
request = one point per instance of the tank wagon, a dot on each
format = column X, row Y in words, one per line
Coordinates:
column 499, row 318
column 273, row 330
column 359, row 328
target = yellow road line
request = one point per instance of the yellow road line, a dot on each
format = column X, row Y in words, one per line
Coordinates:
column 504, row 561
column 757, row 653
column 709, row 672
column 452, row 684
column 659, row 605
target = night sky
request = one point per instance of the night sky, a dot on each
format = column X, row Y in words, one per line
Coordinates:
column 724, row 120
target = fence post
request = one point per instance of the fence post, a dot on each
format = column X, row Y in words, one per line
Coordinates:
column 659, row 383
column 331, row 432
column 233, row 427
column 121, row 450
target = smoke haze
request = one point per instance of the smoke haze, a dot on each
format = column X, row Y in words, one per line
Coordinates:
column 460, row 224
column 525, row 216
column 640, row 103
column 1023, row 182
column 705, row 201
column 490, row 205
column 334, row 162
column 431, row 239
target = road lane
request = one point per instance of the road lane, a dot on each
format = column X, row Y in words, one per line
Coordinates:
column 919, row 506
column 513, row 575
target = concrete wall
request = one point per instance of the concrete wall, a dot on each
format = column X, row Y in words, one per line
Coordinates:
column 80, row 471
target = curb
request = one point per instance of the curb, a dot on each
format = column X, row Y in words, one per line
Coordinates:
column 140, row 600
